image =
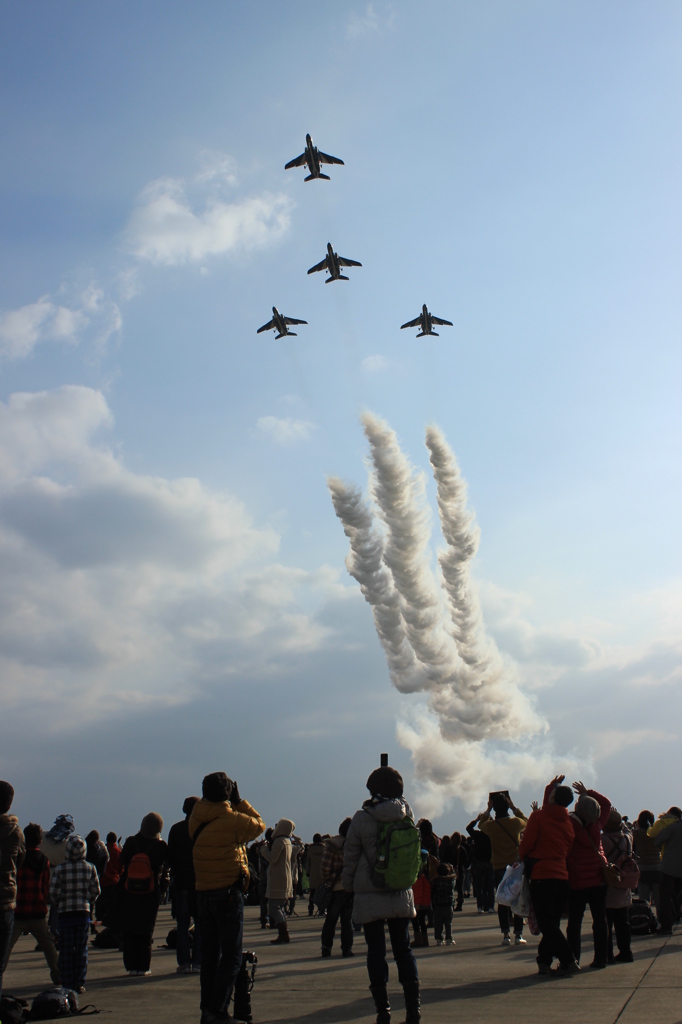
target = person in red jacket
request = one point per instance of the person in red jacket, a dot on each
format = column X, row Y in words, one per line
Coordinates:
column 546, row 842
column 586, row 863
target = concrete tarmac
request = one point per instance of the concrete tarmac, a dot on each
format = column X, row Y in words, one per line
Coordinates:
column 476, row 980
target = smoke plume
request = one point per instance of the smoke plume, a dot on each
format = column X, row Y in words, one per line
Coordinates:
column 472, row 733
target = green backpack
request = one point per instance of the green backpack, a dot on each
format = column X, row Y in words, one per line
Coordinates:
column 398, row 855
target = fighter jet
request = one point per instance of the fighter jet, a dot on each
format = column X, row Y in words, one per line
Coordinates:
column 279, row 323
column 333, row 263
column 426, row 320
column 313, row 157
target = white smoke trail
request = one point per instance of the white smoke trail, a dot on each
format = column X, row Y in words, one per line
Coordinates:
column 434, row 636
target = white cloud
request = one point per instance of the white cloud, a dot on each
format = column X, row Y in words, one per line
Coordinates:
column 370, row 22
column 285, row 430
column 46, row 320
column 374, row 364
column 165, row 230
column 122, row 589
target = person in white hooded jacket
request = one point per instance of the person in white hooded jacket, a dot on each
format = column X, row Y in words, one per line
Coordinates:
column 372, row 907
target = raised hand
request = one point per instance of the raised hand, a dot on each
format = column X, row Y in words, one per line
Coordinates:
column 557, row 780
column 580, row 788
column 534, row 805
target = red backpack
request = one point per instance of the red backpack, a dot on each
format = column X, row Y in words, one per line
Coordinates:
column 140, row 877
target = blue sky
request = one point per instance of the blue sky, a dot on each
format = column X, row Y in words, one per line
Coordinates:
column 175, row 597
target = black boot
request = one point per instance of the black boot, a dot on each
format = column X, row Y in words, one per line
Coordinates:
column 412, row 1003
column 282, row 937
column 381, row 1003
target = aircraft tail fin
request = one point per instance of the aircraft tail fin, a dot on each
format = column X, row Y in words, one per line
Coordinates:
column 435, row 334
column 421, row 335
column 311, row 176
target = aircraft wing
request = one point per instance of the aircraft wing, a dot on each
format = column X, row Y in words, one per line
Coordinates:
column 266, row 327
column 298, row 162
column 446, row 323
column 290, row 320
column 348, row 263
column 318, row 266
column 413, row 323
column 326, row 159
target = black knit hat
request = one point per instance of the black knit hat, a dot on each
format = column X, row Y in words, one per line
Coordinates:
column 216, row 787
column 189, row 803
column 386, row 782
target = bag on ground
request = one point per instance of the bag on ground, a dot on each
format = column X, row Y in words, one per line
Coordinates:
column 642, row 918
column 399, row 857
column 510, row 887
column 54, row 1002
column 13, row 1011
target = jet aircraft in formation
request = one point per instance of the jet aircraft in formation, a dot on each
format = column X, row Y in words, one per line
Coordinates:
column 281, row 323
column 333, row 263
column 425, row 321
column 313, row 157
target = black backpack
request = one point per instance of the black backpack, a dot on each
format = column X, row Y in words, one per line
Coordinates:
column 642, row 918
column 13, row 1011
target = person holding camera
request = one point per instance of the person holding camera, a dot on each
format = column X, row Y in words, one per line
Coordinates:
column 220, row 825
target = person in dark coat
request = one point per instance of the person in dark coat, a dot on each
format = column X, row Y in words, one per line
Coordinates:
column 482, row 871
column 141, row 894
column 184, row 893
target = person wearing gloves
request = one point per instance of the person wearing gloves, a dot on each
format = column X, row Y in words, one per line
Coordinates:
column 373, row 907
column 73, row 892
column 546, row 842
column 586, row 863
column 220, row 825
column 279, row 856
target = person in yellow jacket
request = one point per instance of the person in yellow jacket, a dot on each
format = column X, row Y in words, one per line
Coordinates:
column 220, row 825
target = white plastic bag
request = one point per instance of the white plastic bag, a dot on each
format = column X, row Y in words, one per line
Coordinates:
column 522, row 903
column 510, row 887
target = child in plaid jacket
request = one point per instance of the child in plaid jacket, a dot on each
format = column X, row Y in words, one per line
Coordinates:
column 74, row 889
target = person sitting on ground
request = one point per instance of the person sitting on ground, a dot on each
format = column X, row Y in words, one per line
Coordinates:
column 443, row 901
column 374, row 907
column 184, row 904
column 617, row 846
column 482, row 870
column 74, row 889
column 545, row 845
column 12, row 850
column 280, row 883
column 341, row 903
column 504, row 833
column 220, row 825
column 33, row 890
column 313, row 865
column 648, row 857
column 586, row 862
column 143, row 860
column 670, row 841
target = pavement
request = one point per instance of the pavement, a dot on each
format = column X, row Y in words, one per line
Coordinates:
column 476, row 980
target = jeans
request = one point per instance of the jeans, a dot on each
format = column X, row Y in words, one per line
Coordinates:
column 37, row 927
column 6, row 928
column 504, row 914
column 340, row 906
column 184, row 902
column 577, row 901
column 483, row 884
column 549, row 897
column 399, row 934
column 221, row 918
column 442, row 918
column 74, row 931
